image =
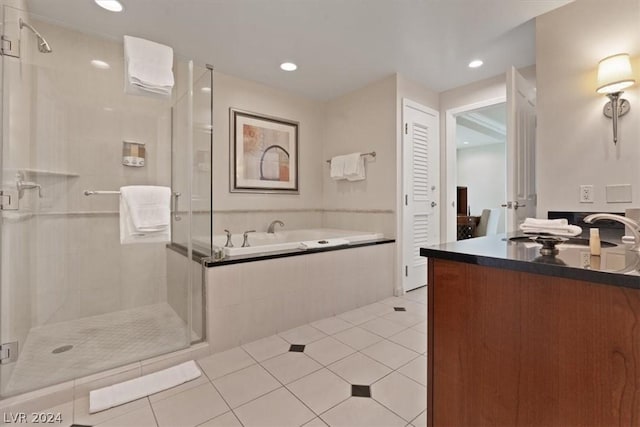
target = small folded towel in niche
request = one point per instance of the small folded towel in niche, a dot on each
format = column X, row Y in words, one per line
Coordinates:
column 327, row 243
column 145, row 214
column 148, row 67
column 555, row 227
column 337, row 168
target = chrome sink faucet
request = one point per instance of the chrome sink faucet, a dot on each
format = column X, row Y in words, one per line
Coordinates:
column 273, row 224
column 633, row 226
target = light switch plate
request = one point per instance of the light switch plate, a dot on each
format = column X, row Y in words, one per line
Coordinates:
column 620, row 193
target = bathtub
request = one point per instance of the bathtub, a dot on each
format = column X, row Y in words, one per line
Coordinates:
column 262, row 242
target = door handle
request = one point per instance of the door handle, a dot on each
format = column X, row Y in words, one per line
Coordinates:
column 516, row 205
column 507, row 205
column 176, row 217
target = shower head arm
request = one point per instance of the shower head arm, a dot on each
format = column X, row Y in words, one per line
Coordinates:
column 43, row 46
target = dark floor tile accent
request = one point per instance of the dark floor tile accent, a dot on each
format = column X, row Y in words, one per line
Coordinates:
column 79, row 425
column 360, row 390
column 399, row 309
column 298, row 348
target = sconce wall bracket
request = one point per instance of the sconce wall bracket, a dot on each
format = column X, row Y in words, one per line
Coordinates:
column 623, row 108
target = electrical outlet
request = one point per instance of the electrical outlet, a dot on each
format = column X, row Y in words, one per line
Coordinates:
column 586, row 194
column 585, row 259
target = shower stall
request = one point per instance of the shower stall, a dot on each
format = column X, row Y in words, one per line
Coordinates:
column 73, row 300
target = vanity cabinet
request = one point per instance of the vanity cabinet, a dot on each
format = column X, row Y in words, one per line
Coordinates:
column 516, row 348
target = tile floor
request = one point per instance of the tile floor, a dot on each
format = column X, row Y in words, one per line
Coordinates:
column 366, row 367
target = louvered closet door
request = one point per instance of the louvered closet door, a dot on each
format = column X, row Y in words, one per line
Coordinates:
column 421, row 190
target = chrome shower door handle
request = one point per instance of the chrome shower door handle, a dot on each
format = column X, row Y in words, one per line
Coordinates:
column 176, row 217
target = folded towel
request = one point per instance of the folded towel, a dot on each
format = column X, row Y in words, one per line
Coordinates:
column 145, row 214
column 351, row 164
column 148, row 67
column 359, row 174
column 327, row 243
column 535, row 222
column 337, row 168
column 558, row 227
column 128, row 391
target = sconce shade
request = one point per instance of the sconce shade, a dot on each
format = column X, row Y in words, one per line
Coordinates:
column 615, row 74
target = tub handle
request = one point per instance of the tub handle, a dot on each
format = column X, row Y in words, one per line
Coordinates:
column 229, row 243
column 245, row 241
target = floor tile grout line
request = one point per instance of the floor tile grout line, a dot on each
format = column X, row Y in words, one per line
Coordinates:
column 155, row 417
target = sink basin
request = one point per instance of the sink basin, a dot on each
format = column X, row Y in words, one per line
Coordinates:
column 570, row 242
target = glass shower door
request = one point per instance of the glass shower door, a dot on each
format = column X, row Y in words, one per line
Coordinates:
column 74, row 300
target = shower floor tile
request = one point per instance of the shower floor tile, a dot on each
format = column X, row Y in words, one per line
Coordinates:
column 98, row 343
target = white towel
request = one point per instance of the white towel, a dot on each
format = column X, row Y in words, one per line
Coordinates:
column 148, row 67
column 145, row 214
column 327, row 243
column 359, row 174
column 351, row 164
column 337, row 168
column 557, row 227
column 128, row 391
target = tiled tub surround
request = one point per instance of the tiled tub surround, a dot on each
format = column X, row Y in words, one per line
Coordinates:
column 319, row 374
column 251, row 300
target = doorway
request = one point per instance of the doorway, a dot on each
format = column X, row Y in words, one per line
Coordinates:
column 481, row 169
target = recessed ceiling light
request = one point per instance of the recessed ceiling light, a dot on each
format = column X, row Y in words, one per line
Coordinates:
column 206, row 89
column 475, row 63
column 110, row 5
column 100, row 64
column 288, row 66
column 466, row 142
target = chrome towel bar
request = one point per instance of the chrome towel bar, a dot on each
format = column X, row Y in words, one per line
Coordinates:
column 372, row 154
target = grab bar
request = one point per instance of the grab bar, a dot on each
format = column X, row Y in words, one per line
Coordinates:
column 175, row 195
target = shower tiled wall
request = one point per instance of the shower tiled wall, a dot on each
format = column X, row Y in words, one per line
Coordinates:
column 68, row 121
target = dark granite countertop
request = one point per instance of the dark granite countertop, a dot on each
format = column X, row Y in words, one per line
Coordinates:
column 616, row 266
column 210, row 262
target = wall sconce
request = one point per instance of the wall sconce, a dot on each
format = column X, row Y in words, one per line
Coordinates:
column 615, row 74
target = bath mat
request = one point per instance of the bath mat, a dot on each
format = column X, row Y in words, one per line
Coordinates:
column 128, row 391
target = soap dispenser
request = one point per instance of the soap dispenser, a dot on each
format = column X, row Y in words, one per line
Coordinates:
column 594, row 241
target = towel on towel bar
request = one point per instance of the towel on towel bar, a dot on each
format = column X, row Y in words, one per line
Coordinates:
column 145, row 214
column 556, row 227
column 337, row 168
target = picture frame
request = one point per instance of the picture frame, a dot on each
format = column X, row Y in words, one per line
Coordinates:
column 263, row 153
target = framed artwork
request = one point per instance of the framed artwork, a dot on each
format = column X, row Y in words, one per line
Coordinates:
column 263, row 153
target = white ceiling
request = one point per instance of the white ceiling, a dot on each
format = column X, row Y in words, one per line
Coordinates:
column 339, row 45
column 483, row 126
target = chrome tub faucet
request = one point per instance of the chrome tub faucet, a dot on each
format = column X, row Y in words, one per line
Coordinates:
column 271, row 227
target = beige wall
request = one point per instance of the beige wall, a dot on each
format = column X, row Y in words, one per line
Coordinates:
column 362, row 121
column 575, row 144
column 243, row 211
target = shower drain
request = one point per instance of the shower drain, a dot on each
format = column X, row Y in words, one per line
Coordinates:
column 62, row 349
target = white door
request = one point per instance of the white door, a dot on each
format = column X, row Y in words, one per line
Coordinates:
column 421, row 214
column 521, row 150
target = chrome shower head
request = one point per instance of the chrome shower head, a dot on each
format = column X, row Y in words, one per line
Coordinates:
column 43, row 46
